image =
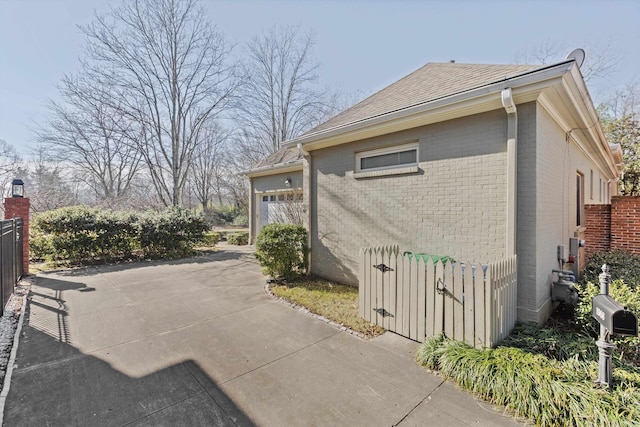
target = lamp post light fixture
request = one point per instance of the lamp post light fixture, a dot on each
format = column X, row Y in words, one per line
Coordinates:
column 287, row 182
column 17, row 188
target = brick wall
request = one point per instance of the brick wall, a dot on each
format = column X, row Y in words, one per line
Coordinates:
column 625, row 224
column 615, row 226
column 455, row 205
column 18, row 207
column 598, row 225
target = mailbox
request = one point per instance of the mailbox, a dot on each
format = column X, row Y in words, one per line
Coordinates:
column 614, row 317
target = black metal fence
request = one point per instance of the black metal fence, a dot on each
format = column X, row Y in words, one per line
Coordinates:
column 10, row 257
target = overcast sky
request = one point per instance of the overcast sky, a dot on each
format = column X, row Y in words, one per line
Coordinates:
column 362, row 46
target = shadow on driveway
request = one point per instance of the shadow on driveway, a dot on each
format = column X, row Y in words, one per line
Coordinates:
column 238, row 253
column 55, row 384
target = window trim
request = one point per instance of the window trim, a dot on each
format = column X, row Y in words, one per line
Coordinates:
column 387, row 150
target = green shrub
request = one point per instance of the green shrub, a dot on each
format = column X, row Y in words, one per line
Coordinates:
column 627, row 347
column 282, row 250
column 238, row 238
column 210, row 238
column 79, row 233
column 40, row 245
column 172, row 233
column 622, row 265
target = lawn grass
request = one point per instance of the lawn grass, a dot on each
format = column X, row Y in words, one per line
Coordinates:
column 334, row 301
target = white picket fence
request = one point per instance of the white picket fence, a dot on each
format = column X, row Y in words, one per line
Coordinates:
column 474, row 303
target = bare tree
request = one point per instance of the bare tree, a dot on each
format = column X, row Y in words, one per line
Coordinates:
column 88, row 132
column 208, row 164
column 9, row 163
column 290, row 210
column 601, row 58
column 168, row 68
column 48, row 184
column 280, row 99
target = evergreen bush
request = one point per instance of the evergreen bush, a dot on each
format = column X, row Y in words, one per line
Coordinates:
column 79, row 233
column 622, row 265
column 627, row 347
column 210, row 238
column 238, row 238
column 282, row 250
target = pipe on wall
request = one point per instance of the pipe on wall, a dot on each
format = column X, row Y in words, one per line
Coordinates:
column 512, row 170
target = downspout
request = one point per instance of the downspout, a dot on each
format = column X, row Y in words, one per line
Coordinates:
column 512, row 170
column 306, row 197
column 252, row 213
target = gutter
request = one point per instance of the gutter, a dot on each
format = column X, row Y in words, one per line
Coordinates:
column 295, row 165
column 512, row 169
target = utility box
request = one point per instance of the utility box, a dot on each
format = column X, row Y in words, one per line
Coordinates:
column 614, row 317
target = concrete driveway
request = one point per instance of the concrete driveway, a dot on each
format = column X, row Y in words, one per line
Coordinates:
column 197, row 342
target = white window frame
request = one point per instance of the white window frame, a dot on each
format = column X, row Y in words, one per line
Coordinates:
column 388, row 150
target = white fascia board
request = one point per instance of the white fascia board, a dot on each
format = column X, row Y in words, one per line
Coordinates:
column 279, row 168
column 526, row 87
column 589, row 121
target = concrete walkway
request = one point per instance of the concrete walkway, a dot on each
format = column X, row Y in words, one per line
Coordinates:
column 197, row 342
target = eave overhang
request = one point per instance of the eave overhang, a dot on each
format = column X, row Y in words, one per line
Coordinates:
column 572, row 108
column 559, row 83
column 294, row 166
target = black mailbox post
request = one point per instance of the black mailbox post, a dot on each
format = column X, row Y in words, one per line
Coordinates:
column 614, row 317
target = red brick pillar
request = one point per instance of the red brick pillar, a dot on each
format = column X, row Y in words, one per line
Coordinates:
column 18, row 207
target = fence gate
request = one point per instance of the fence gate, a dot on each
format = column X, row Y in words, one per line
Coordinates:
column 418, row 299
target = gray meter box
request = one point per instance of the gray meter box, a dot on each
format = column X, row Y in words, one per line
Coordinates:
column 614, row 317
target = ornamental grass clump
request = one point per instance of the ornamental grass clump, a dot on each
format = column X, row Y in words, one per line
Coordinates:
column 547, row 391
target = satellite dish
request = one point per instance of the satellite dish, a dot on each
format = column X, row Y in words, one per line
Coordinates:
column 577, row 55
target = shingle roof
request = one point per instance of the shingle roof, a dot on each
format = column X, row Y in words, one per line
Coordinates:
column 283, row 155
column 432, row 81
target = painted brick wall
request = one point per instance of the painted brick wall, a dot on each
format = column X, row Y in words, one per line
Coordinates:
column 455, row 205
column 277, row 182
column 527, row 213
column 554, row 173
column 625, row 224
column 598, row 232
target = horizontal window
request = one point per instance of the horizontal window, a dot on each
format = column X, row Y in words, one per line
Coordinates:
column 387, row 158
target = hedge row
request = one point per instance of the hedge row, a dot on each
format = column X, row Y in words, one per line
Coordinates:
column 80, row 233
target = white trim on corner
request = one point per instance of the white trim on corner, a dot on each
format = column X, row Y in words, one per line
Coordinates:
column 387, row 150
